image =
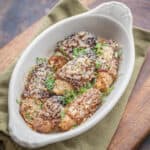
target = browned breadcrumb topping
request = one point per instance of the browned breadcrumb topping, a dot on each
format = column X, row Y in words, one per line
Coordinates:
column 35, row 82
column 61, row 86
column 57, row 62
column 64, row 90
column 78, row 40
column 85, row 105
column 42, row 116
column 78, row 71
column 103, row 81
column 81, row 109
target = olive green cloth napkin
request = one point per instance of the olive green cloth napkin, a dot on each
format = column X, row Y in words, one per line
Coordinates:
column 100, row 135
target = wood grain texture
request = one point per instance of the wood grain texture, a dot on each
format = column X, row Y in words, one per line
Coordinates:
column 16, row 16
column 12, row 50
column 135, row 123
column 134, row 130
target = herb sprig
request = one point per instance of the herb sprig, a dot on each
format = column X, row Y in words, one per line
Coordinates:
column 118, row 53
column 69, row 96
column 41, row 105
column 75, row 126
column 62, row 114
column 78, row 51
column 97, row 64
column 49, row 82
column 85, row 88
column 27, row 116
column 99, row 48
column 40, row 60
column 18, row 101
column 108, row 91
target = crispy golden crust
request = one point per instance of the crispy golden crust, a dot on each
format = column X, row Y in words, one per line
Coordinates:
column 80, row 109
column 35, row 82
column 78, row 71
column 41, row 125
column 29, row 109
column 42, row 117
column 109, row 62
column 103, row 81
column 113, row 69
column 56, row 96
column 84, row 106
column 57, row 62
column 66, row 123
column 78, row 40
column 61, row 87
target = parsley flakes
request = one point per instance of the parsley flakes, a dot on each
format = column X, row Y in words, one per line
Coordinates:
column 49, row 82
column 108, row 91
column 78, row 51
column 69, row 96
column 62, row 114
column 18, row 101
column 27, row 116
column 99, row 48
column 40, row 60
column 97, row 64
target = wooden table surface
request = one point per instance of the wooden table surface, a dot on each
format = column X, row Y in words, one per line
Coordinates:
column 18, row 15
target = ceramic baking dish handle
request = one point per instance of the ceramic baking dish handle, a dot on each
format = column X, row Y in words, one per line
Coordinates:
column 117, row 11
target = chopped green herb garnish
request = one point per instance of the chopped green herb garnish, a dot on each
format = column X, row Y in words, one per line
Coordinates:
column 98, row 45
column 49, row 82
column 107, row 66
column 89, row 85
column 103, row 99
column 118, row 53
column 78, row 51
column 69, row 96
column 105, row 44
column 31, row 70
column 85, row 88
column 97, row 64
column 109, row 90
column 106, row 93
column 62, row 49
column 41, row 105
column 27, row 116
column 98, row 49
column 62, row 114
column 75, row 126
column 82, row 90
column 75, row 51
column 18, row 101
column 40, row 60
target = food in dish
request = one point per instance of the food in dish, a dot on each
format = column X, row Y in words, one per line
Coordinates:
column 64, row 90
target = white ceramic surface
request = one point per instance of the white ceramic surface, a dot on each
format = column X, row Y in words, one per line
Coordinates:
column 111, row 20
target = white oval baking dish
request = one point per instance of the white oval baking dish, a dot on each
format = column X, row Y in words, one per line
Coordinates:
column 111, row 20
